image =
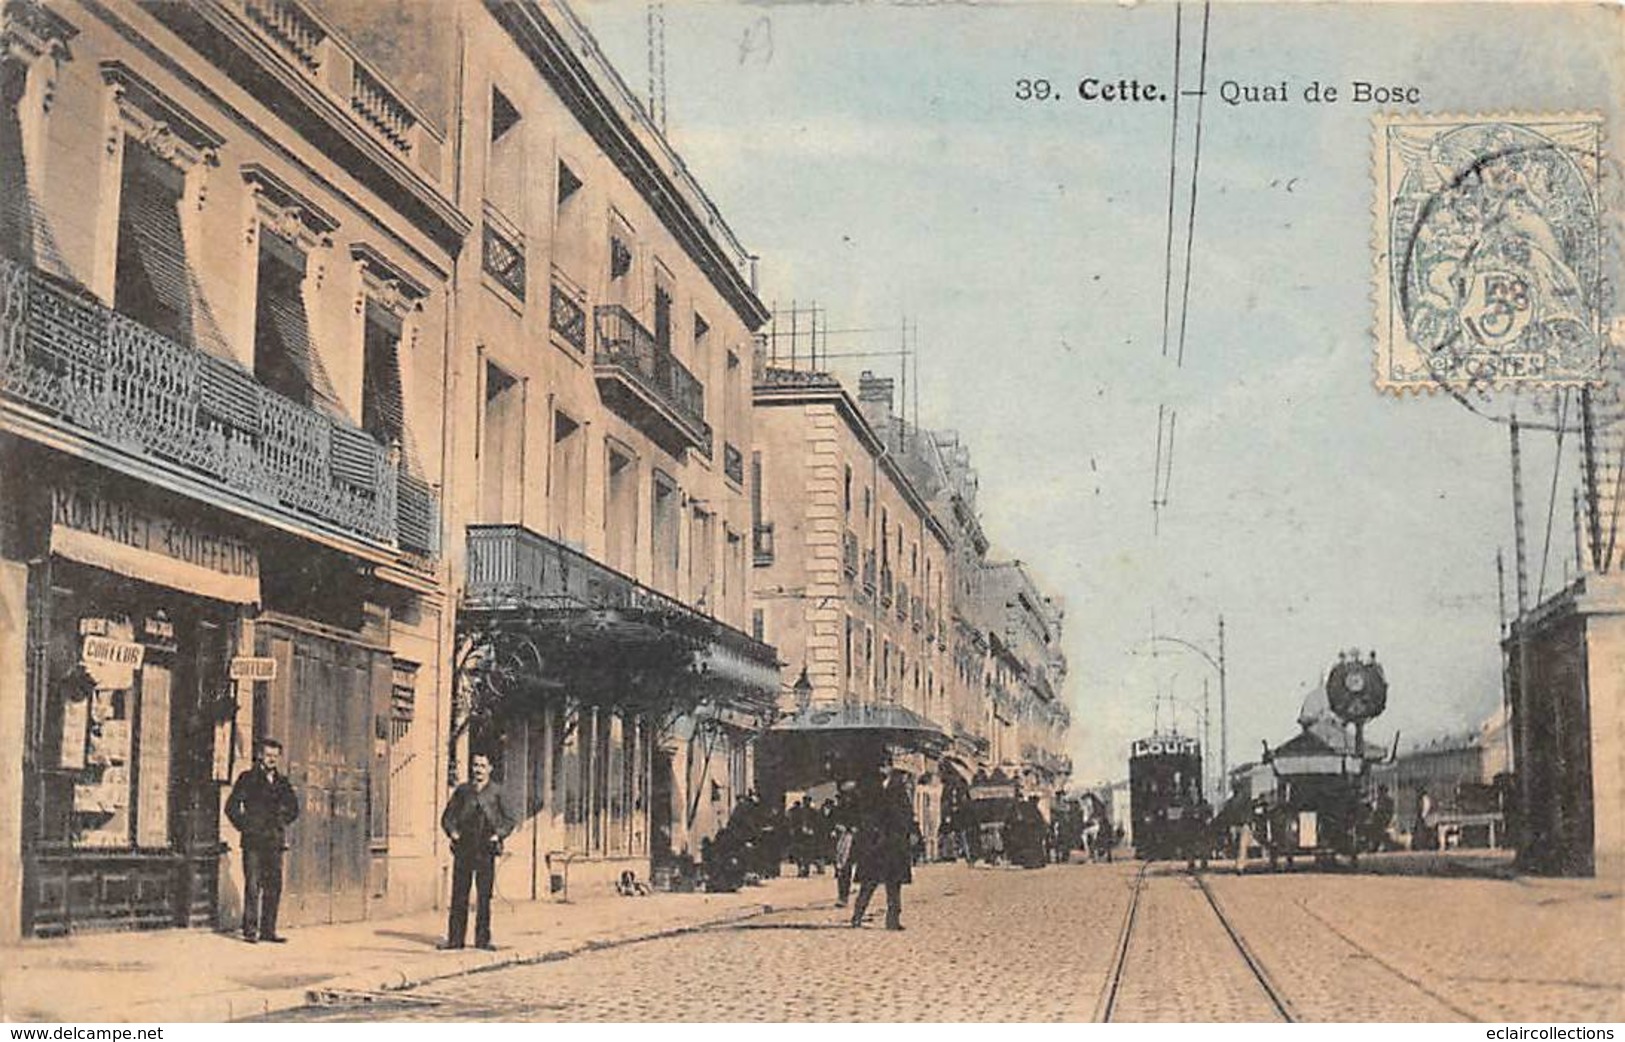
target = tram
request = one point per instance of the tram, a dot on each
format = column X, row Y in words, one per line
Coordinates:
column 1165, row 797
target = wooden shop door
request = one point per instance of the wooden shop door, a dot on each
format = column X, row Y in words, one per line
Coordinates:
column 321, row 706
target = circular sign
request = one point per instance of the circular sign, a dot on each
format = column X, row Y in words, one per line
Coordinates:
column 1357, row 690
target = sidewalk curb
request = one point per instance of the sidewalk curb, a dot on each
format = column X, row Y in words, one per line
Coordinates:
column 366, row 985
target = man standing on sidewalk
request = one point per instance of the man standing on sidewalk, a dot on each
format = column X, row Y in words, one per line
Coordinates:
column 476, row 820
column 262, row 805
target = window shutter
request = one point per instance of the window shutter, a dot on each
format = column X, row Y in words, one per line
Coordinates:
column 282, row 335
column 383, row 413
column 153, row 282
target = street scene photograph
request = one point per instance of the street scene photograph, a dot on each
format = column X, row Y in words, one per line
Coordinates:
column 722, row 512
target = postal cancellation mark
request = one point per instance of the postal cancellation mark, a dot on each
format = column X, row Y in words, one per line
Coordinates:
column 1488, row 251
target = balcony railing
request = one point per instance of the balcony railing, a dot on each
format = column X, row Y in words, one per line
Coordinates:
column 333, row 66
column 512, row 567
column 643, row 380
column 381, row 108
column 849, row 554
column 291, row 27
column 103, row 375
column 761, row 544
column 733, row 463
column 502, row 253
column 568, row 318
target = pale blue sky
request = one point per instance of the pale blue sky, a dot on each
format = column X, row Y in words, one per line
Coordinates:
column 876, row 158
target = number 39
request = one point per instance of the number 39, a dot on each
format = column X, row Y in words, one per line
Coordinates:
column 1034, row 90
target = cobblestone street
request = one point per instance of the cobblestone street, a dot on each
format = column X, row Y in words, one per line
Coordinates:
column 1004, row 944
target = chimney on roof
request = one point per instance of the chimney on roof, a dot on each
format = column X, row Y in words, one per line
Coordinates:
column 875, row 389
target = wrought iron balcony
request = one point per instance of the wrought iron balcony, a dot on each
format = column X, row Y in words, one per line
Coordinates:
column 510, row 567
column 568, row 318
column 502, row 253
column 641, row 380
column 733, row 463
column 100, row 375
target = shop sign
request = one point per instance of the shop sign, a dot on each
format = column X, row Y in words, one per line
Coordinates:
column 121, row 536
column 111, row 663
column 245, row 668
column 993, row 792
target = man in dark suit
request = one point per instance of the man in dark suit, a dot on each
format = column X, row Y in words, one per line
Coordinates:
column 262, row 805
column 881, row 849
column 476, row 820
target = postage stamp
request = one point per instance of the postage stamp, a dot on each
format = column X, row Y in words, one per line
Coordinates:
column 1489, row 251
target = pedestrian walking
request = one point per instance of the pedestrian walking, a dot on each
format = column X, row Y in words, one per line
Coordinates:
column 881, row 852
column 261, row 806
column 477, row 821
column 1423, row 836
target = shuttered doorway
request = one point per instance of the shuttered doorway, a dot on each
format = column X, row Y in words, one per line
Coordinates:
column 322, row 706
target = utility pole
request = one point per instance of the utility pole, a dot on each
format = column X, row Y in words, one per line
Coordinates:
column 1224, row 717
column 1588, row 455
column 1519, row 550
column 1207, row 740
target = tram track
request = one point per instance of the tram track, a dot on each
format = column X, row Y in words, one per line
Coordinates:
column 1177, row 978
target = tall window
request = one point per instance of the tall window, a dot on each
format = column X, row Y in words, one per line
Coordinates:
column 662, row 328
column 151, row 283
column 702, row 564
column 621, row 289
column 846, row 490
column 505, row 162
column 283, row 356
column 383, row 413
column 621, row 511
column 663, row 532
column 501, row 432
column 566, row 478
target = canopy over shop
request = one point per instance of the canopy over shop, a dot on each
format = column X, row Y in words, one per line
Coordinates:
column 820, row 744
column 593, row 675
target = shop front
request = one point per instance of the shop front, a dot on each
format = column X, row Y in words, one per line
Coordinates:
column 133, row 613
column 160, row 638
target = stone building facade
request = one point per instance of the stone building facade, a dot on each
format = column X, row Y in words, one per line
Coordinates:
column 228, row 244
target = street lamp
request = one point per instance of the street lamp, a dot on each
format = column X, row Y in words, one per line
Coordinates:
column 1219, row 665
column 804, row 691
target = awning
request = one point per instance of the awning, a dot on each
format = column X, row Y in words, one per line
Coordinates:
column 885, row 720
column 241, row 586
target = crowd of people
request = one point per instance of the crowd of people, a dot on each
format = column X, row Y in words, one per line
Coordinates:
column 866, row 834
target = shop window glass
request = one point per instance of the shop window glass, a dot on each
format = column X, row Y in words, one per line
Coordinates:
column 107, row 729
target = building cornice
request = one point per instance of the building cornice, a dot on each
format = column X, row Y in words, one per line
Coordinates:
column 216, row 30
column 552, row 55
